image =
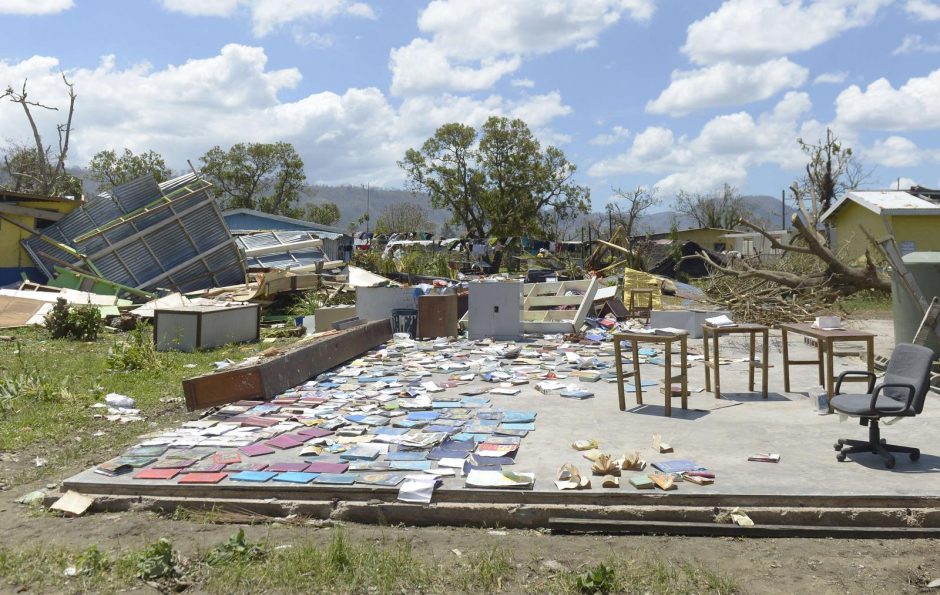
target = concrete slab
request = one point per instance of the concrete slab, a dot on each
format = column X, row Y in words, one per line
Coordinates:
column 717, row 434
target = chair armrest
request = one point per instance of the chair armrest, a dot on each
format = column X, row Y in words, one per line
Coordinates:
column 871, row 380
column 910, row 395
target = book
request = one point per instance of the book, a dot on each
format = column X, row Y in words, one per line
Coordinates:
column 765, row 457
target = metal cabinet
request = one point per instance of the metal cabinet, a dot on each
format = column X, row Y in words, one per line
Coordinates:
column 495, row 310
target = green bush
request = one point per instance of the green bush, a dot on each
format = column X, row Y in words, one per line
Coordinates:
column 79, row 323
column 599, row 579
column 139, row 353
column 236, row 549
column 158, row 561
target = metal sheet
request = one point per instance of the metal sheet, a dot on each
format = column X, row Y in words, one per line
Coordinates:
column 183, row 244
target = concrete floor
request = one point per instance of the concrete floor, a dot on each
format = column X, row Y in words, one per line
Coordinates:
column 717, row 434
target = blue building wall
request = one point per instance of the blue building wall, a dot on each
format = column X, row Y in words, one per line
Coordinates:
column 246, row 221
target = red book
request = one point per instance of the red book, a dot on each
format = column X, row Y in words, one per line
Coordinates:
column 203, row 477
column 156, row 474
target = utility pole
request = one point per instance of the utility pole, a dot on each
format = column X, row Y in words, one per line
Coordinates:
column 783, row 210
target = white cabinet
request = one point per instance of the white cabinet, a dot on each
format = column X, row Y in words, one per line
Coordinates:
column 495, row 310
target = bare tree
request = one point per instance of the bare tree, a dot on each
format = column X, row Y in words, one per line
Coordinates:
column 634, row 203
column 403, row 217
column 38, row 169
column 832, row 170
column 723, row 208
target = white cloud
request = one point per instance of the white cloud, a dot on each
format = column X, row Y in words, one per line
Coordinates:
column 831, row 78
column 914, row 43
column 924, row 9
column 422, row 66
column 312, row 39
column 880, row 106
column 37, row 7
column 268, row 15
column 904, row 183
column 527, row 83
column 182, row 110
column 724, row 150
column 895, row 151
column 755, row 30
column 725, row 84
column 616, row 134
column 474, row 44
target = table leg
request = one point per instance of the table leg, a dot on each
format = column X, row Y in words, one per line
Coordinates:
column 708, row 372
column 750, row 361
column 617, row 359
column 684, row 367
column 829, row 369
column 820, row 348
column 717, row 361
column 870, row 353
column 786, row 361
column 636, row 372
column 763, row 381
column 668, row 387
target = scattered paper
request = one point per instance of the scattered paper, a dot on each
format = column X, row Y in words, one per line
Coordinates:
column 73, row 503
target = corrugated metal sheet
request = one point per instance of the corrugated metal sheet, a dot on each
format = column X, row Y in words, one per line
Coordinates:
column 181, row 242
column 284, row 260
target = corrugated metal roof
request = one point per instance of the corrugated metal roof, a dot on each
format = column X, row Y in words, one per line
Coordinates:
column 883, row 200
column 181, row 242
column 282, row 260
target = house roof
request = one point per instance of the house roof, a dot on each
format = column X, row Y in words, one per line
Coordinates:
column 283, row 219
column 10, row 196
column 886, row 202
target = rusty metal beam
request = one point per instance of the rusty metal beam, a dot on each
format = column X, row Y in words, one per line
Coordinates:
column 276, row 374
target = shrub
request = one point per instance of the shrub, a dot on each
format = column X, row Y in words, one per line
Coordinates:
column 599, row 579
column 158, row 561
column 139, row 353
column 79, row 323
column 236, row 549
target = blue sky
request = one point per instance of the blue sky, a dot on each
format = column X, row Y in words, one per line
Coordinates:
column 677, row 94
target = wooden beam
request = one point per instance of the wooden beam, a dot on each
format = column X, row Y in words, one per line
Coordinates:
column 276, row 374
column 30, row 212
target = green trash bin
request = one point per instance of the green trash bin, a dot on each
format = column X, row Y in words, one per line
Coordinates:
column 925, row 268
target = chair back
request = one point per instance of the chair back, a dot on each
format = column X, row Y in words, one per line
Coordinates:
column 910, row 364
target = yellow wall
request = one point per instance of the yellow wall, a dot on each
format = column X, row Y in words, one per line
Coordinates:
column 707, row 238
column 851, row 242
column 12, row 254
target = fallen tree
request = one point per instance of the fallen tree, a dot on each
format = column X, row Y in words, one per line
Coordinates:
column 808, row 276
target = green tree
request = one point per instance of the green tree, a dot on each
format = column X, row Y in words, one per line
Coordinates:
column 501, row 183
column 109, row 169
column 324, row 213
column 268, row 177
column 403, row 217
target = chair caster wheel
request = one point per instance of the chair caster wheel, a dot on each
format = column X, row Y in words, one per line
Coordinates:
column 840, row 457
column 837, row 446
column 915, row 455
column 889, row 464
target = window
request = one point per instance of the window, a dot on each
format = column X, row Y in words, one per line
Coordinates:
column 719, row 246
column 42, row 223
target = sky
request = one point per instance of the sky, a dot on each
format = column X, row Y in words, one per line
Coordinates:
column 672, row 94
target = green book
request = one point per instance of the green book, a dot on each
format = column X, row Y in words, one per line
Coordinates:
column 641, row 482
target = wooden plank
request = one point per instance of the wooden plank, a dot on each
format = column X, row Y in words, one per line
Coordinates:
column 594, row 525
column 30, row 212
column 929, row 322
column 274, row 375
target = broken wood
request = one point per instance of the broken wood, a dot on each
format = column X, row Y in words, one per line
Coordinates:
column 267, row 378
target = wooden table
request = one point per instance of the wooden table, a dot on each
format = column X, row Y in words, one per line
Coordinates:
column 714, row 363
column 824, row 348
column 635, row 339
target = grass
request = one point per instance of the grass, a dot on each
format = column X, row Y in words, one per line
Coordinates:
column 866, row 301
column 55, row 382
column 339, row 565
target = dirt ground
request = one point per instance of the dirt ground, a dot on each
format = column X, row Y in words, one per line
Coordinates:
column 757, row 565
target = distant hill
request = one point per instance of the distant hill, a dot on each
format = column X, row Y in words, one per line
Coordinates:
column 353, row 201
column 763, row 208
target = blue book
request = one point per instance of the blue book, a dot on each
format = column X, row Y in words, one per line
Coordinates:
column 387, row 431
column 409, row 465
column 296, row 477
column 518, row 416
column 525, row 427
column 423, row 416
column 336, row 478
column 407, row 455
column 257, row 476
column 678, row 466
